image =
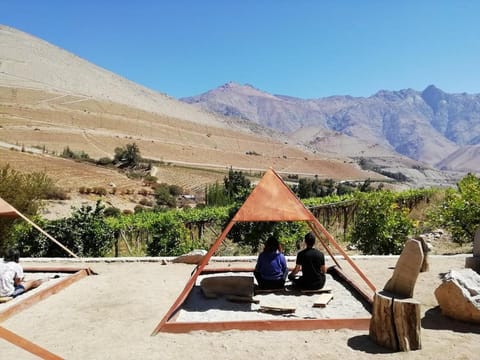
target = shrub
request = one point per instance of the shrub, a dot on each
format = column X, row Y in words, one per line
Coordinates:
column 460, row 211
column 99, row 191
column 381, row 226
column 24, row 192
column 170, row 237
column 112, row 211
column 85, row 233
column 104, row 161
column 128, row 156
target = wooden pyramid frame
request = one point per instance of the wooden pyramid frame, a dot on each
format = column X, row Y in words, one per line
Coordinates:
column 272, row 200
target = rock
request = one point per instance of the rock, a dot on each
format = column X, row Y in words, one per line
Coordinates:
column 406, row 271
column 193, row 257
column 473, row 262
column 459, row 295
column 215, row 286
column 476, row 243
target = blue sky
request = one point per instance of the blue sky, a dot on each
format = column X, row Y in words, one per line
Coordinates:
column 307, row 49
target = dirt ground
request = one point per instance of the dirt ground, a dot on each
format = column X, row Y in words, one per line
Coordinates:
column 111, row 316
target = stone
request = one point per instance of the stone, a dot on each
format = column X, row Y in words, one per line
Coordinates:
column 193, row 257
column 409, row 264
column 473, row 262
column 476, row 243
column 459, row 295
column 215, row 286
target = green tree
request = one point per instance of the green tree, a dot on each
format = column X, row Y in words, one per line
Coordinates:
column 24, row 192
column 127, row 156
column 381, row 226
column 460, row 211
column 85, row 233
column 165, row 195
column 170, row 237
column 252, row 235
column 237, row 186
column 216, row 195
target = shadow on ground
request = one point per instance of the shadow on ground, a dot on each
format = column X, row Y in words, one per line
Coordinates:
column 434, row 319
column 365, row 344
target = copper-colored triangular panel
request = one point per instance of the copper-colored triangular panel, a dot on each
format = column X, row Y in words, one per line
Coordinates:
column 6, row 209
column 272, row 200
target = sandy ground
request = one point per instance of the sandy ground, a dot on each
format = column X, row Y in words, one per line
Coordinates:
column 111, row 316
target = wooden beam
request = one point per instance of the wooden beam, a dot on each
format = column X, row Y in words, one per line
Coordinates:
column 62, row 269
column 42, row 294
column 367, row 294
column 27, row 345
column 276, row 325
column 46, row 234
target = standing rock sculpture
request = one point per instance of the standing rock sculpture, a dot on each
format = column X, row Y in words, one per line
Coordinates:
column 395, row 322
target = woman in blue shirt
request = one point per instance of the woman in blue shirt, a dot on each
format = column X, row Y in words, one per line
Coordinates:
column 271, row 269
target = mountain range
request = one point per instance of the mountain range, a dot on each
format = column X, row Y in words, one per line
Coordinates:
column 433, row 127
column 51, row 99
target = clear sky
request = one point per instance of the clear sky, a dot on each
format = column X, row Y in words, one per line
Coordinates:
column 301, row 48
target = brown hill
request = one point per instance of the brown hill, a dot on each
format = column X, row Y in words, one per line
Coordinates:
column 51, row 99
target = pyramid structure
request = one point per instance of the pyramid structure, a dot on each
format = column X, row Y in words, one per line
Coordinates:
column 270, row 200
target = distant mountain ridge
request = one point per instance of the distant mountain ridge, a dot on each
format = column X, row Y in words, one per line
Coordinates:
column 51, row 99
column 431, row 126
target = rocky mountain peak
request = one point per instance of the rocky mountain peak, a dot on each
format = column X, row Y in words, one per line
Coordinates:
column 433, row 96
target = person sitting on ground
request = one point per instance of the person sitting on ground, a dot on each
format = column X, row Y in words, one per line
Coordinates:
column 312, row 264
column 271, row 269
column 11, row 276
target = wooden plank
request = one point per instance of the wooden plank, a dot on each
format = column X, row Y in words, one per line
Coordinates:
column 62, row 269
column 271, row 325
column 316, row 291
column 367, row 294
column 322, row 300
column 31, row 299
column 27, row 345
column 277, row 309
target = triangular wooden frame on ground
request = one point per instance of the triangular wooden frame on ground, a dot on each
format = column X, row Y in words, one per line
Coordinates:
column 272, row 200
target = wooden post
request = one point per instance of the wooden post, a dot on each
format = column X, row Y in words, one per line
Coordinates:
column 395, row 322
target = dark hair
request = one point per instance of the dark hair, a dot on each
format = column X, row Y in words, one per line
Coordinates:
column 272, row 244
column 12, row 255
column 310, row 239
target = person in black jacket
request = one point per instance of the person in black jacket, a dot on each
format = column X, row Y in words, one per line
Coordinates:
column 312, row 264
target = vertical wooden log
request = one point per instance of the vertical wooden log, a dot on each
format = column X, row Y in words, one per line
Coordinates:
column 382, row 329
column 395, row 322
column 407, row 323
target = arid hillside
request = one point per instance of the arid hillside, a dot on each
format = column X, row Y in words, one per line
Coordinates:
column 51, row 99
column 50, row 122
